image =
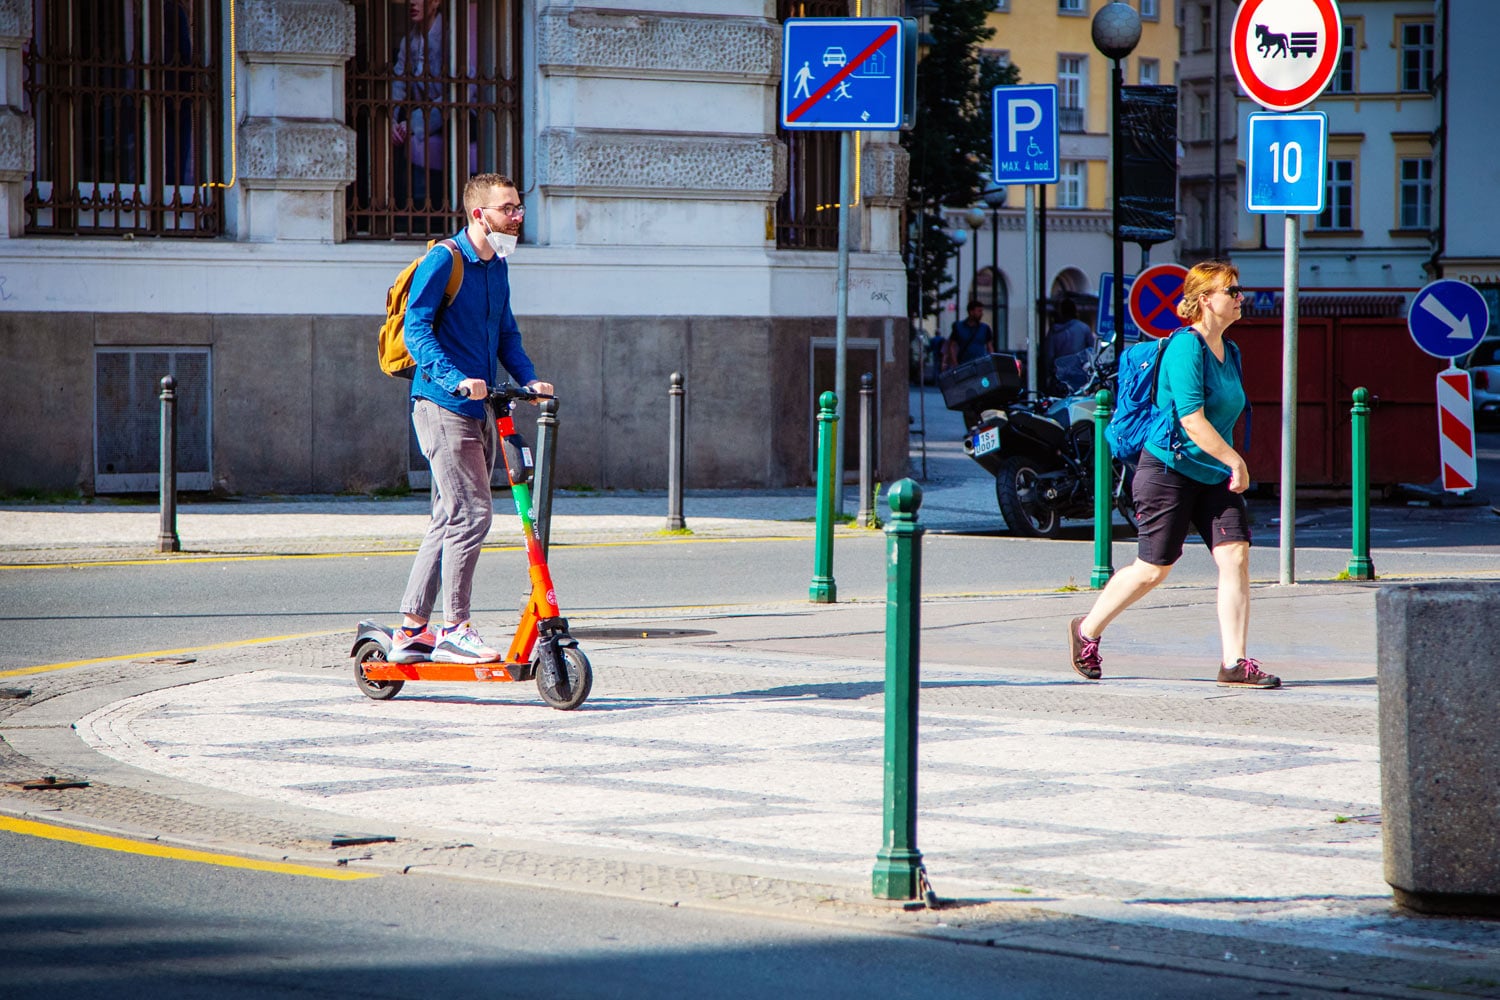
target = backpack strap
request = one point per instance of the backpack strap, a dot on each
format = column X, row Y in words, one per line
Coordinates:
column 456, row 274
column 1233, row 350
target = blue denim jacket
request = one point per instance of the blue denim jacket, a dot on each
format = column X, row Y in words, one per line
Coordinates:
column 475, row 335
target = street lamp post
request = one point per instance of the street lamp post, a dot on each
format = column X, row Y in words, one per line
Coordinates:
column 994, row 197
column 959, row 238
column 975, row 218
column 1116, row 30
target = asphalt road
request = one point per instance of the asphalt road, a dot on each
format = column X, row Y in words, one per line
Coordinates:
column 103, row 924
column 57, row 615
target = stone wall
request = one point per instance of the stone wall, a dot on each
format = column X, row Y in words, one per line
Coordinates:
column 299, row 406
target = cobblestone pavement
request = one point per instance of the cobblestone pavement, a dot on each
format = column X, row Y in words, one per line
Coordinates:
column 1144, row 819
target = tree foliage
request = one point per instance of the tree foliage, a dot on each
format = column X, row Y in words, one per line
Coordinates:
column 949, row 145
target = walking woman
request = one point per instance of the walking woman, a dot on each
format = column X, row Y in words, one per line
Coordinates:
column 1191, row 477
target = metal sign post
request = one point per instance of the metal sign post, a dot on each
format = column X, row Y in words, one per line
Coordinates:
column 1025, row 152
column 846, row 74
column 1284, row 53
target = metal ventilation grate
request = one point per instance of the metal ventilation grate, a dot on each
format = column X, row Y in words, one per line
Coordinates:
column 127, row 418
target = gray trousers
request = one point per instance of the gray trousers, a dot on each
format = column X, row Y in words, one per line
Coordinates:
column 461, row 452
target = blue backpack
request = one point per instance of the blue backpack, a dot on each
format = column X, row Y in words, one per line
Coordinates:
column 1130, row 427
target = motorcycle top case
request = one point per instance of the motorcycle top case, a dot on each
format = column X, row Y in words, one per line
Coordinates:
column 990, row 382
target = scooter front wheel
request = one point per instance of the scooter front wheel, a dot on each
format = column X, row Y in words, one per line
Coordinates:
column 378, row 690
column 580, row 677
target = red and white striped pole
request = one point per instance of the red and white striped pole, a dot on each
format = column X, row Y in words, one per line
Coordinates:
column 1455, row 402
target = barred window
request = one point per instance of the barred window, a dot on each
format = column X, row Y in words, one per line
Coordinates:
column 126, row 99
column 807, row 215
column 434, row 96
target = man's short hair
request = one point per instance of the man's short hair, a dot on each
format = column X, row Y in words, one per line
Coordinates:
column 1067, row 309
column 477, row 191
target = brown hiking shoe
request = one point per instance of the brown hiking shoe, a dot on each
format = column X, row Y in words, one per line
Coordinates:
column 1085, row 652
column 1246, row 673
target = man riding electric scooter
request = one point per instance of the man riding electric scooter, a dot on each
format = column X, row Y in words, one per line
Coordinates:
column 458, row 348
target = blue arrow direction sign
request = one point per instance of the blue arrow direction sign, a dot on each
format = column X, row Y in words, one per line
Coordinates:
column 1025, row 148
column 1286, row 158
column 1447, row 318
column 842, row 73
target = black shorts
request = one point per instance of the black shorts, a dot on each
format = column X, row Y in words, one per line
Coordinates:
column 1168, row 503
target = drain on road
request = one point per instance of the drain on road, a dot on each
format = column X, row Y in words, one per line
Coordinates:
column 638, row 633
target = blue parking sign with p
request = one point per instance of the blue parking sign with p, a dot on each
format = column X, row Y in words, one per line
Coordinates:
column 1025, row 150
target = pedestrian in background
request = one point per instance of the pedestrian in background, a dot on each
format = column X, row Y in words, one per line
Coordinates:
column 970, row 340
column 1191, row 477
column 1070, row 337
column 459, row 349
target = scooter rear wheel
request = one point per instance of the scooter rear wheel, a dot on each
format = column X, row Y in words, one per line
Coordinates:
column 378, row 690
column 580, row 680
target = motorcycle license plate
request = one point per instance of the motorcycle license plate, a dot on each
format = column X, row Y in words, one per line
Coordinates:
column 986, row 441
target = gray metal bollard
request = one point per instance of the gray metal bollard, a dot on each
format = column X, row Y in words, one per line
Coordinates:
column 1440, row 745
column 166, row 538
column 546, row 452
column 865, row 517
column 675, row 459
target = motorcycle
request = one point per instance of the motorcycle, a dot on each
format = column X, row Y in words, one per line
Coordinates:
column 1039, row 448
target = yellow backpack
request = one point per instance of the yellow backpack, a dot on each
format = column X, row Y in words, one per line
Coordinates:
column 395, row 359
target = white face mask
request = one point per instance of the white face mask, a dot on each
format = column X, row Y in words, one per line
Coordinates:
column 504, row 244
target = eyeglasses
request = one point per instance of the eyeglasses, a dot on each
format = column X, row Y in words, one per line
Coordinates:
column 1235, row 291
column 511, row 211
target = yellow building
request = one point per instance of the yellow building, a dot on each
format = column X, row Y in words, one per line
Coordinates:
column 1050, row 42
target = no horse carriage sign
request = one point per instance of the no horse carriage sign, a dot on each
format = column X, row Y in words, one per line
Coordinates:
column 1285, row 51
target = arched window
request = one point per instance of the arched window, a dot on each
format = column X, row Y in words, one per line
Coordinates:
column 993, row 292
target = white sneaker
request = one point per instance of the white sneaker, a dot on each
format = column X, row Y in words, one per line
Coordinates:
column 461, row 644
column 412, row 648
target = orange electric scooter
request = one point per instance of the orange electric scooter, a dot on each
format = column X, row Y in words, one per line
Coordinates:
column 542, row 647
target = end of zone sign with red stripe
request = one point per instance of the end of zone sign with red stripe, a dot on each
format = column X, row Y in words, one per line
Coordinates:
column 1285, row 51
column 1154, row 296
column 844, row 73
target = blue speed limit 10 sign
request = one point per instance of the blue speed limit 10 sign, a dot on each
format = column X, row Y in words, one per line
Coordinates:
column 1286, row 159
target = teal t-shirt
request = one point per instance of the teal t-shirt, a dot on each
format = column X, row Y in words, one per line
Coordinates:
column 1187, row 385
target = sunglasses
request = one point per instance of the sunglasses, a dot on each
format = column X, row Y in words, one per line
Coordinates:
column 1235, row 291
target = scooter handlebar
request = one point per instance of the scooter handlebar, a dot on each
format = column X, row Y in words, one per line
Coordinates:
column 509, row 392
column 505, row 393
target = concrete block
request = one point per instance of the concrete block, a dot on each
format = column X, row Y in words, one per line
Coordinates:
column 1440, row 745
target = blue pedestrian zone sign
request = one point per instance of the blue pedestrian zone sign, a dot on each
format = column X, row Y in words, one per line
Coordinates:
column 1285, row 162
column 1448, row 318
column 846, row 73
column 1025, row 150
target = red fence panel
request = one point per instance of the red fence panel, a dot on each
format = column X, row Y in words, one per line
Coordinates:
column 1334, row 357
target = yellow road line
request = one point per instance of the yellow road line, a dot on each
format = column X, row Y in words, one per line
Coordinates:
column 47, row 668
column 107, row 843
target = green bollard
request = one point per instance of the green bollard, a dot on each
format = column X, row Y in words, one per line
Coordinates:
column 1360, row 565
column 898, row 867
column 1104, row 566
column 823, row 589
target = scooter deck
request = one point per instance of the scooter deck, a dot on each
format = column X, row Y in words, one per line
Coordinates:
column 427, row 670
